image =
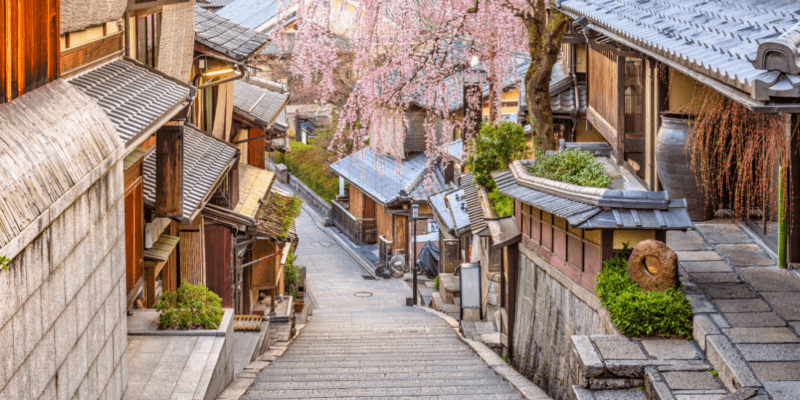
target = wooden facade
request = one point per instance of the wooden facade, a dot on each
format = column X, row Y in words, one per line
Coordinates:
column 29, row 55
column 361, row 205
column 257, row 148
column 603, row 110
column 219, row 259
column 134, row 229
column 72, row 59
column 192, row 252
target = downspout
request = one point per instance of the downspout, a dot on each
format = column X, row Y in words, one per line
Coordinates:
column 196, row 81
column 783, row 221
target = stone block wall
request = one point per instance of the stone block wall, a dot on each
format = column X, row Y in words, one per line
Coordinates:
column 62, row 310
column 551, row 307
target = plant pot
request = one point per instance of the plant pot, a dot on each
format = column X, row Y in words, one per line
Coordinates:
column 674, row 165
column 299, row 306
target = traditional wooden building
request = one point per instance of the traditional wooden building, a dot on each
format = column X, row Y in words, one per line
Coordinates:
column 640, row 64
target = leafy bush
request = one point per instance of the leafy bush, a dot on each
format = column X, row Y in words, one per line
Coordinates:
column 436, row 283
column 291, row 273
column 294, row 210
column 502, row 205
column 495, row 147
column 578, row 167
column 309, row 163
column 190, row 307
column 638, row 313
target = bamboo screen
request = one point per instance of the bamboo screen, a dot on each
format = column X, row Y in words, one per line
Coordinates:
column 603, row 81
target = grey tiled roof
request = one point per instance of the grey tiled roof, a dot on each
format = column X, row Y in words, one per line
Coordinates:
column 562, row 93
column 133, row 96
column 476, row 219
column 250, row 13
column 205, row 161
column 439, row 206
column 381, row 178
column 717, row 38
column 227, row 37
column 456, row 150
column 256, row 103
column 214, row 4
column 586, row 216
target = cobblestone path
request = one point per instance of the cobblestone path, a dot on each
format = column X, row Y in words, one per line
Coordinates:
column 363, row 342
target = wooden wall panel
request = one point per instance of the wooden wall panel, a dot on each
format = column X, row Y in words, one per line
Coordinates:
column 79, row 56
column 30, row 40
column 400, row 233
column 603, row 81
column 257, row 148
column 356, row 202
column 219, row 256
column 192, row 253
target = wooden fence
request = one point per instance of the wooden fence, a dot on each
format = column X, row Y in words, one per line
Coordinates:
column 359, row 230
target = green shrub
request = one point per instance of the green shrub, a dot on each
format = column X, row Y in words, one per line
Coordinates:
column 436, row 283
column 294, row 210
column 638, row 313
column 190, row 307
column 495, row 147
column 291, row 272
column 308, row 162
column 578, row 167
column 502, row 205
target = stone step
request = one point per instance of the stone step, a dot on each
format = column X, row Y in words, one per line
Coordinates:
column 275, row 369
column 296, row 350
column 375, row 357
column 280, row 363
column 431, row 343
column 503, row 388
column 395, row 376
column 503, row 396
column 374, row 384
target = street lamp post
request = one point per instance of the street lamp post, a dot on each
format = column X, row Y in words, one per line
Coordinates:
column 414, row 216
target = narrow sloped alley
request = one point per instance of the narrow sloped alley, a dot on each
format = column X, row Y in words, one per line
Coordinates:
column 363, row 342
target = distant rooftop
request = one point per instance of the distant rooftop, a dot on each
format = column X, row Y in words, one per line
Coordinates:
column 227, row 37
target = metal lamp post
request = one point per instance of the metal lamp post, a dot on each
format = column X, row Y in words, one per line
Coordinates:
column 414, row 216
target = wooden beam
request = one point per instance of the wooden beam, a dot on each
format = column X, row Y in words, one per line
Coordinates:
column 169, row 171
column 620, row 144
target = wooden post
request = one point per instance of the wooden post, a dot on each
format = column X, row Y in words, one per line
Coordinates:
column 620, row 145
column 512, row 271
column 169, row 171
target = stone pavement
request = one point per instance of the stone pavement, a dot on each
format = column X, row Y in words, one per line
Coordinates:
column 747, row 311
column 362, row 341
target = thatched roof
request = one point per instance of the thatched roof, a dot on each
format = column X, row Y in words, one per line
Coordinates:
column 50, row 139
column 254, row 188
column 274, row 210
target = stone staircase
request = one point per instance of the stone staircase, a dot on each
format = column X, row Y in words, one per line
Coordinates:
column 392, row 353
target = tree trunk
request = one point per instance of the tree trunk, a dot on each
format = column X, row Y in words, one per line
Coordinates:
column 544, row 41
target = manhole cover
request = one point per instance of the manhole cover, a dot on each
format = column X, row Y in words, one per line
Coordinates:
column 362, row 294
column 320, row 244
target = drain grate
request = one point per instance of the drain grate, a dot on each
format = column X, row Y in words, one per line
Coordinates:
column 368, row 277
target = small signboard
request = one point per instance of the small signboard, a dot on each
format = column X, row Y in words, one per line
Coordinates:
column 470, row 286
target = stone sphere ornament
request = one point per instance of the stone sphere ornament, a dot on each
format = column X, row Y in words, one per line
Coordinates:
column 653, row 266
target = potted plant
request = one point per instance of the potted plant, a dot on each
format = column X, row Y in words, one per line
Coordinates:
column 291, row 274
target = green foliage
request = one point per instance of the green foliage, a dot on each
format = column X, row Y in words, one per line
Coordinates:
column 4, row 262
column 502, row 205
column 291, row 272
column 638, row 313
column 436, row 283
column 291, row 214
column 190, row 307
column 714, row 372
column 578, row 167
column 309, row 163
column 495, row 147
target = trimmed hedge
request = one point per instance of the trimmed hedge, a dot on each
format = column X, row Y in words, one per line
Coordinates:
column 308, row 163
column 578, row 167
column 190, row 307
column 637, row 313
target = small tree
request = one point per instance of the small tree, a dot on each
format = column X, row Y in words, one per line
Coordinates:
column 495, row 147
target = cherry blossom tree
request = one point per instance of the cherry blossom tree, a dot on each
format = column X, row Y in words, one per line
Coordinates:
column 421, row 52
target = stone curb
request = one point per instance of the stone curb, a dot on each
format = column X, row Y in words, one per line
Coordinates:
column 238, row 387
column 527, row 388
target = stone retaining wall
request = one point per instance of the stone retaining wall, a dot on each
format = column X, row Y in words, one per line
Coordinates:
column 551, row 307
column 62, row 324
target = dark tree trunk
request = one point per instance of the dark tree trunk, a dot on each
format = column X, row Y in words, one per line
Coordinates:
column 544, row 42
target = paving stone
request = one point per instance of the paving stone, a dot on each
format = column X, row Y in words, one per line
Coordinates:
column 732, row 368
column 742, row 394
column 722, row 232
column 796, row 326
column 703, row 326
column 689, row 240
column 678, row 380
column 700, row 304
column 728, row 291
column 770, row 352
column 783, row 390
column 588, row 358
column 670, row 349
column 719, row 320
column 706, row 266
column 745, row 255
column 762, row 319
column 699, row 396
column 776, row 371
column 771, row 280
column 761, row 335
column 628, row 394
column 618, row 349
column 714, row 277
column 786, row 304
column 742, row 305
column 698, row 256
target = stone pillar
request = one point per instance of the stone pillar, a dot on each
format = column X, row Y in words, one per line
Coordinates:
column 341, row 186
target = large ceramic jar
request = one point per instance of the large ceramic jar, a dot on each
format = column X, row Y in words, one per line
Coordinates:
column 674, row 165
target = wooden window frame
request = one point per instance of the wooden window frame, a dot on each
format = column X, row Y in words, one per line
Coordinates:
column 158, row 15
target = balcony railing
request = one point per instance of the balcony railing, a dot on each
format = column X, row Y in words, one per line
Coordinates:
column 359, row 230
